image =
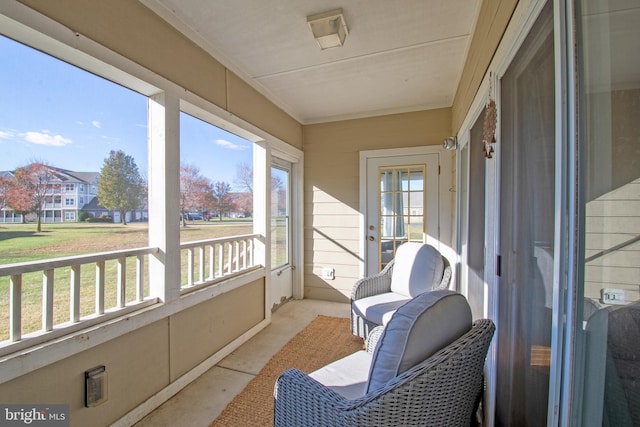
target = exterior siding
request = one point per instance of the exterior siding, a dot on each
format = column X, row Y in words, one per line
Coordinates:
column 332, row 218
column 614, row 217
column 491, row 24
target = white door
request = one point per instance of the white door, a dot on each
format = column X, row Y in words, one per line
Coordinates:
column 402, row 204
column 281, row 232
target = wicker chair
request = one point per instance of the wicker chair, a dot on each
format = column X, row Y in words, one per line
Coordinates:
column 376, row 293
column 441, row 390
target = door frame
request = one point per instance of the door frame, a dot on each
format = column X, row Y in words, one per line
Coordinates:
column 282, row 276
column 296, row 176
column 445, row 195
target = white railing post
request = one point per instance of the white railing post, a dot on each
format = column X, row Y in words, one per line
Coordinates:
column 122, row 283
column 201, row 263
column 74, row 300
column 15, row 311
column 220, row 259
column 212, row 264
column 236, row 250
column 252, row 245
column 140, row 278
column 100, row 280
column 244, row 254
column 190, row 266
column 47, row 300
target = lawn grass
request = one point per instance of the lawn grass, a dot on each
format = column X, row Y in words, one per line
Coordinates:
column 21, row 243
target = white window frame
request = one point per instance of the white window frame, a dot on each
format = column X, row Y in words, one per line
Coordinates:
column 27, row 26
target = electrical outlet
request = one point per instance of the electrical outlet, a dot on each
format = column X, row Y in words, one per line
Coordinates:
column 612, row 296
column 328, row 273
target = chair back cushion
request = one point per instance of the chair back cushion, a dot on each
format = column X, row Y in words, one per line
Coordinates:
column 416, row 331
column 417, row 268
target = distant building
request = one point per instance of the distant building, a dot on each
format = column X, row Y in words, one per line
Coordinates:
column 69, row 194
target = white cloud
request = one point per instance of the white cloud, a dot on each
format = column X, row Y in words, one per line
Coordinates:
column 96, row 124
column 230, row 145
column 6, row 134
column 45, row 138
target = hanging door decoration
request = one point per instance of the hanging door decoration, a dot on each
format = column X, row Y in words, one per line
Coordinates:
column 489, row 129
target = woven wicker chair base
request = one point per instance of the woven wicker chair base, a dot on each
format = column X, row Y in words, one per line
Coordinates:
column 441, row 391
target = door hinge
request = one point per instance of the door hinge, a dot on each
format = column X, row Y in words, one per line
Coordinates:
column 498, row 265
column 439, row 170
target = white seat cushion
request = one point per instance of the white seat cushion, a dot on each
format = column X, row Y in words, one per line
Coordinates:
column 347, row 376
column 417, row 268
column 416, row 331
column 379, row 308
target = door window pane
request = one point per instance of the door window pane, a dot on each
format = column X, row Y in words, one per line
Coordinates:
column 401, row 208
column 280, row 218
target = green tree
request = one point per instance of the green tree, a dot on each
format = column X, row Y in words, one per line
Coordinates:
column 121, row 188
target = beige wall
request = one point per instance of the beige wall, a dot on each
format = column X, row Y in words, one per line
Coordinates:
column 332, row 233
column 143, row 362
column 491, row 24
column 201, row 331
column 143, row 37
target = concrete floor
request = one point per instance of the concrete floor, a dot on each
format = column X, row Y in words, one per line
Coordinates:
column 203, row 400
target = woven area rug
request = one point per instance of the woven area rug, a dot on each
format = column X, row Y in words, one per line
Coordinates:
column 325, row 340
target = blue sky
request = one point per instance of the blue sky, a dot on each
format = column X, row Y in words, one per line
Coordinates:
column 56, row 113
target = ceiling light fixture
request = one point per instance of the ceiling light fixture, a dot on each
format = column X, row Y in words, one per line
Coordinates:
column 328, row 28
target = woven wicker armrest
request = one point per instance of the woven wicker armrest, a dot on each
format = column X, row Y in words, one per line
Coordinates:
column 373, row 337
column 299, row 400
column 446, row 276
column 373, row 285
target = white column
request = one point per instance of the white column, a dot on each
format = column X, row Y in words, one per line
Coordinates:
column 164, row 196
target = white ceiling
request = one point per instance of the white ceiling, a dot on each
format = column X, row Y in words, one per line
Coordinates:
column 399, row 55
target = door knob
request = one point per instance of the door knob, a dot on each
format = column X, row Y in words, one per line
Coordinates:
column 371, row 238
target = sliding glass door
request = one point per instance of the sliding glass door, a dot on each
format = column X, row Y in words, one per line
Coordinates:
column 607, row 323
column 526, row 228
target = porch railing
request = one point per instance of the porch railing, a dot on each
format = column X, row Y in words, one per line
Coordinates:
column 212, row 260
column 78, row 317
column 204, row 262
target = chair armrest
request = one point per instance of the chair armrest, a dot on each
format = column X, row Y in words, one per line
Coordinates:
column 446, row 278
column 299, row 400
column 373, row 337
column 373, row 285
